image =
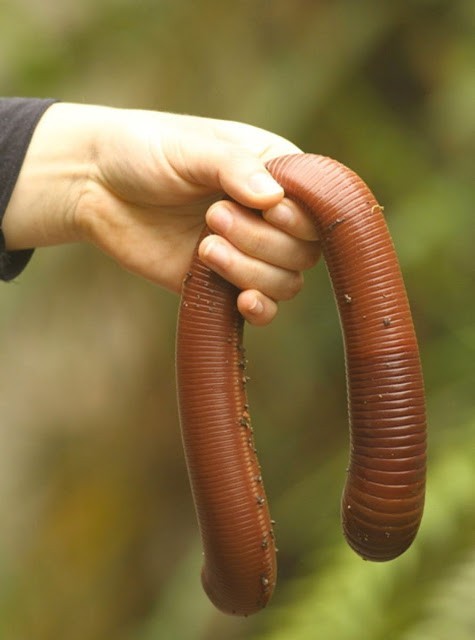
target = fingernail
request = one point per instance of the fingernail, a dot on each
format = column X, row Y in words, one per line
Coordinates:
column 217, row 253
column 219, row 218
column 264, row 184
column 280, row 214
column 256, row 307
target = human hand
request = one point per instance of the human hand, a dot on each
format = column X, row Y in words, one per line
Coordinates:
column 139, row 185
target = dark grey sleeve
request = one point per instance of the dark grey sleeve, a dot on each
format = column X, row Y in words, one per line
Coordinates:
column 18, row 119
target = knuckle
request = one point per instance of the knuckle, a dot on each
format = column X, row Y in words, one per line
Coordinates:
column 255, row 242
column 293, row 286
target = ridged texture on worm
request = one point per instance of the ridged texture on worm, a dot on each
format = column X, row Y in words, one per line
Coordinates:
column 239, row 571
column 383, row 499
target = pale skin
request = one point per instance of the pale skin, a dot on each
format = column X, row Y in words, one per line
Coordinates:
column 140, row 185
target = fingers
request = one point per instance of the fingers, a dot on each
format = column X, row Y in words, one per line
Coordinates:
column 256, row 308
column 290, row 218
column 252, row 235
column 261, row 259
column 247, row 272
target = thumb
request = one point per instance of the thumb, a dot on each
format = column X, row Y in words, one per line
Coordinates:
column 244, row 177
column 237, row 171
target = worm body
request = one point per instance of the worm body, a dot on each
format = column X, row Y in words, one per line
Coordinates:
column 383, row 498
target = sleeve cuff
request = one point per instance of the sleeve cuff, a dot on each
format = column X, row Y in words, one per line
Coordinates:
column 12, row 263
column 18, row 120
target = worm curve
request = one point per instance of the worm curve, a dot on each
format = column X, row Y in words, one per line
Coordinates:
column 383, row 497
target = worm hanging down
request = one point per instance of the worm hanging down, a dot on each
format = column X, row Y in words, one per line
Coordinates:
column 383, row 497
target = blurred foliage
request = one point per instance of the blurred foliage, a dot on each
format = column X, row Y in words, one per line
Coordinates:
column 98, row 536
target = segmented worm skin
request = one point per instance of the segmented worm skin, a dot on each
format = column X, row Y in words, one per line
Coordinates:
column 383, row 498
column 230, row 501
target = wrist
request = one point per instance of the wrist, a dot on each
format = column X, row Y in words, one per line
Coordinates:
column 54, row 174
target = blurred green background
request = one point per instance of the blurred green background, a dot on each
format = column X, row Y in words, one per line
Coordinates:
column 98, row 538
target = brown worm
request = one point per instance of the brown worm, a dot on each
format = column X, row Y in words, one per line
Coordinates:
column 383, row 497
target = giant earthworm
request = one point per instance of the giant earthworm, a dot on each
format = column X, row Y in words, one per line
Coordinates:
column 383, row 498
